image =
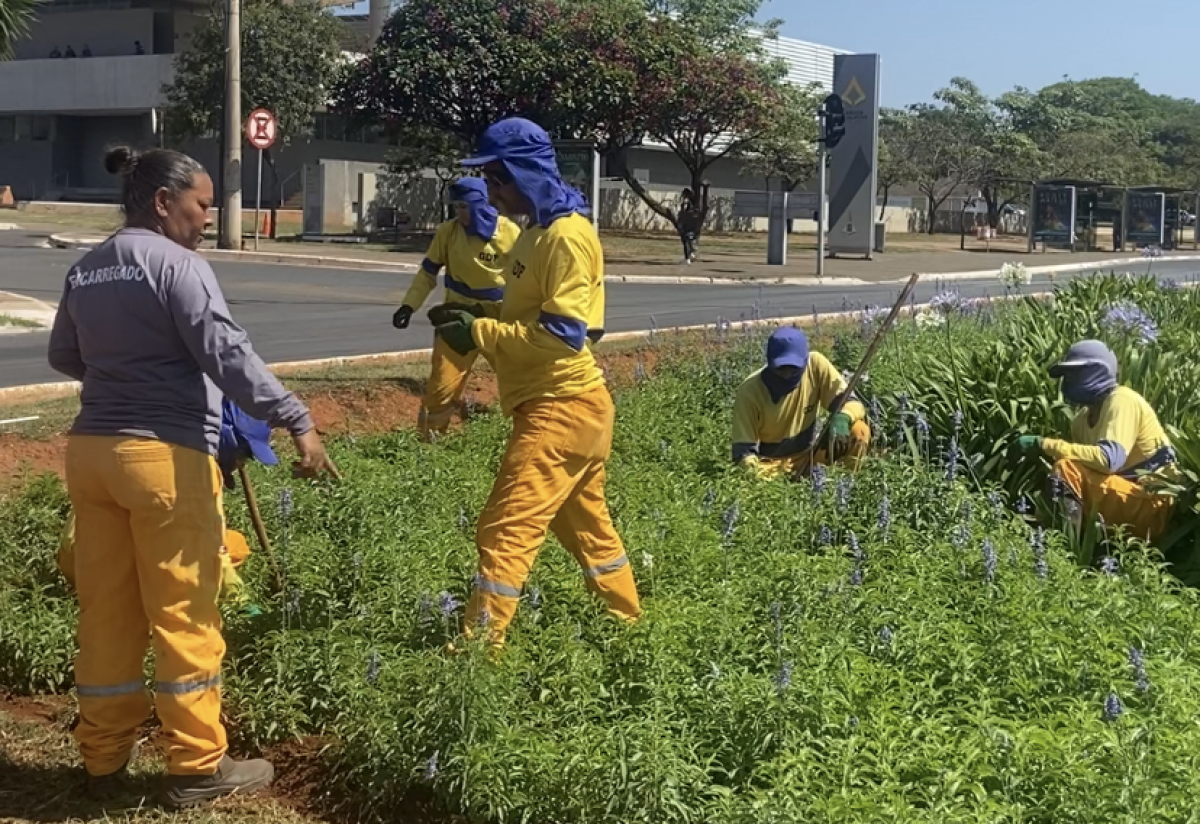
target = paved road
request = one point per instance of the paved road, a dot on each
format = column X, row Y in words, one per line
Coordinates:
column 297, row 313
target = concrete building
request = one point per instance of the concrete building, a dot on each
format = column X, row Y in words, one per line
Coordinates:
column 58, row 112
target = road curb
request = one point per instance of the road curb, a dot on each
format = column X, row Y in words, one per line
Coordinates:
column 1054, row 269
column 62, row 388
column 23, row 307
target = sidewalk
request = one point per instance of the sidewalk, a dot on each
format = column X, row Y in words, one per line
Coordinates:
column 647, row 262
column 22, row 308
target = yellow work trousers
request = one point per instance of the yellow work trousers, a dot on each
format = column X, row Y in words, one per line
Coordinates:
column 448, row 375
column 551, row 478
column 148, row 533
column 795, row 465
column 1119, row 501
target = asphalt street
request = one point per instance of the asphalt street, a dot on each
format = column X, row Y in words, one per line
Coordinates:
column 298, row 313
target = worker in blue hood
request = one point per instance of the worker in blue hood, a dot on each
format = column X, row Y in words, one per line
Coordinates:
column 1115, row 449
column 551, row 478
column 775, row 412
column 521, row 149
column 474, row 248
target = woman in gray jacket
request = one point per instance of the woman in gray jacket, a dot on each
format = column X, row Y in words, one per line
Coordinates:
column 143, row 325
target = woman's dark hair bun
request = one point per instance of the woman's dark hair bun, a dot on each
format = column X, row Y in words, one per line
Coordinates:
column 120, row 160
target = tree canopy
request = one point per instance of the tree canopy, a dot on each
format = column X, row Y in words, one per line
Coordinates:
column 692, row 75
column 290, row 58
column 686, row 73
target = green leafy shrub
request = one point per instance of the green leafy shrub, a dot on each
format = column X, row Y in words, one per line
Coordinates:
column 892, row 646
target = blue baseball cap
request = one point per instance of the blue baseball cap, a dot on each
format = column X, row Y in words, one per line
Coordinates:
column 787, row 347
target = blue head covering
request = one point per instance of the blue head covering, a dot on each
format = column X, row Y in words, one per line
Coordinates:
column 786, row 347
column 484, row 217
column 1088, row 372
column 526, row 151
column 242, row 437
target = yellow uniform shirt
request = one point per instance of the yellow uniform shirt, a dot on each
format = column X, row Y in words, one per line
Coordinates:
column 474, row 266
column 1126, row 440
column 553, row 311
column 762, row 428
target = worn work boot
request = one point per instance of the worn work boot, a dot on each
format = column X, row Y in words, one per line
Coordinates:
column 231, row 778
column 105, row 787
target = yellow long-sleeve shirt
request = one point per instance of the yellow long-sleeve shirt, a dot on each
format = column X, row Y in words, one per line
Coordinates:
column 474, row 266
column 765, row 429
column 1126, row 440
column 553, row 311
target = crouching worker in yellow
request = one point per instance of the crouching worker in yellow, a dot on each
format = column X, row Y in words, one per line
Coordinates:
column 775, row 412
column 1116, row 445
column 142, row 324
column 473, row 247
column 552, row 474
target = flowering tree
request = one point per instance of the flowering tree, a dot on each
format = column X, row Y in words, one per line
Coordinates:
column 456, row 66
column 606, row 70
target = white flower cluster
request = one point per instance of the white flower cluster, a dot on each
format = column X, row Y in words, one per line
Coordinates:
column 930, row 320
column 1014, row 274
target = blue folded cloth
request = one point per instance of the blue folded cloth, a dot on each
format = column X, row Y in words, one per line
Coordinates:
column 242, row 437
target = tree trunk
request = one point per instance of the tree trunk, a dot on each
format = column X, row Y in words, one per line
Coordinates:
column 883, row 209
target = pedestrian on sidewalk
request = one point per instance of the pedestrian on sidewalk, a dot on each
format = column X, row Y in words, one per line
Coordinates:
column 142, row 324
column 693, row 211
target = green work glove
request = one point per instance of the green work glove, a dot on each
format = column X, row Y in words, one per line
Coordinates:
column 839, row 426
column 444, row 312
column 1029, row 443
column 456, row 331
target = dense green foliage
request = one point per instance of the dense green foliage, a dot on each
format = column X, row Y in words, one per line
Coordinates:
column 290, row 56
column 991, row 366
column 894, row 646
column 1107, row 129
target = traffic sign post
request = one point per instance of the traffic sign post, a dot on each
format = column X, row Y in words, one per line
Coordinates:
column 833, row 128
column 261, row 131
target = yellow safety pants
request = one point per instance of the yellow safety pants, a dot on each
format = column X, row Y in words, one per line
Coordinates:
column 795, row 465
column 551, row 478
column 148, row 533
column 234, row 553
column 1119, row 501
column 448, row 375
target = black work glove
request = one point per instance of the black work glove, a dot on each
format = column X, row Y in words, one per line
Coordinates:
column 402, row 317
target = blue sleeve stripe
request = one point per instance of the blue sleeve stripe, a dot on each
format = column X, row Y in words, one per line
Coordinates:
column 431, row 267
column 789, row 446
column 1114, row 455
column 496, row 294
column 1163, row 456
column 570, row 331
column 742, row 450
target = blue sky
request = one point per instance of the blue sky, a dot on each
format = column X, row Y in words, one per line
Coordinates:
column 1030, row 43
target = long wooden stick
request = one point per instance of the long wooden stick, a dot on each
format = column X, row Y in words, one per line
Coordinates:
column 856, row 378
column 260, row 529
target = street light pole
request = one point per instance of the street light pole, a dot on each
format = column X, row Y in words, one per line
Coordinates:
column 231, row 186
